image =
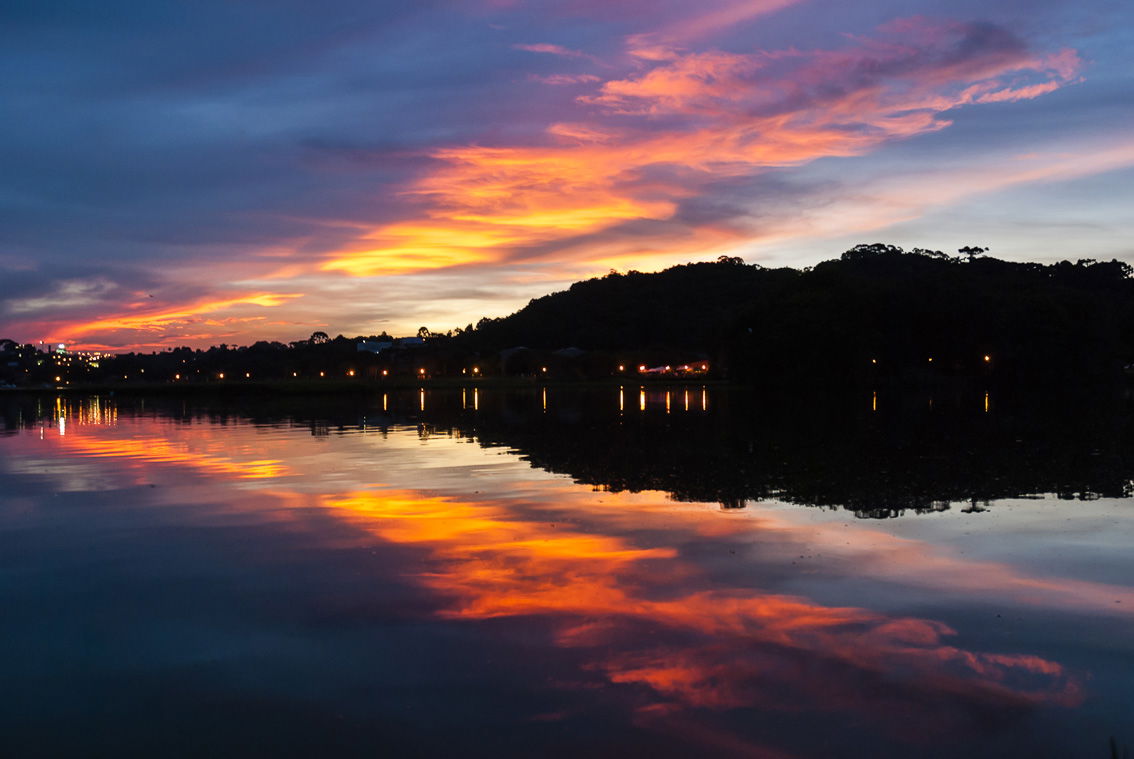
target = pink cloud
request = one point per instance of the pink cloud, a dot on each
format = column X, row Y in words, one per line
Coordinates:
column 543, row 47
column 914, row 64
column 564, row 79
column 709, row 19
column 690, row 119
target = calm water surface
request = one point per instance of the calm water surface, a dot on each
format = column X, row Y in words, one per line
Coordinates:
column 674, row 572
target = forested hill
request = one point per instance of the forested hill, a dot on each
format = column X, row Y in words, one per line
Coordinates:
column 877, row 312
column 692, row 306
column 876, row 315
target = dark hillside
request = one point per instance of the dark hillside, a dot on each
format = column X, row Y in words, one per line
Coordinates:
column 692, row 306
column 877, row 314
column 880, row 313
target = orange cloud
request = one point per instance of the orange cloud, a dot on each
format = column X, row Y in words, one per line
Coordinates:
column 158, row 320
column 726, row 115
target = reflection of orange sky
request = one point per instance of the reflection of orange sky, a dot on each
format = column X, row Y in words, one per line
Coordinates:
column 210, row 456
column 582, row 562
column 492, row 564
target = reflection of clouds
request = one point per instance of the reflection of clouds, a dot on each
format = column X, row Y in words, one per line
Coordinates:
column 873, row 553
column 66, row 476
column 655, row 620
column 495, row 563
column 919, row 692
column 765, row 668
column 211, row 458
column 615, row 577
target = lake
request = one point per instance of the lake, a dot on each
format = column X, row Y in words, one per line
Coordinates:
column 664, row 571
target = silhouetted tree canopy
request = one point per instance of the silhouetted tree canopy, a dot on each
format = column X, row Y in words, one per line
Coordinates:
column 877, row 315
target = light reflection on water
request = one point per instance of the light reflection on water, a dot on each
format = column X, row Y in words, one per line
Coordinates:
column 581, row 618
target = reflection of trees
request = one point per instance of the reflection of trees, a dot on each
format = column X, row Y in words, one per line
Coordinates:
column 909, row 457
column 877, row 465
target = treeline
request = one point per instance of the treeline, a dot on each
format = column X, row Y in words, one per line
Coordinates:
column 692, row 307
column 877, row 315
column 882, row 314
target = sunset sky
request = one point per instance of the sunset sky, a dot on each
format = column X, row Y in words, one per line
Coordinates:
column 229, row 171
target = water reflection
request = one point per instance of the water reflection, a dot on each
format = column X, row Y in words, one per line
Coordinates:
column 915, row 456
column 628, row 616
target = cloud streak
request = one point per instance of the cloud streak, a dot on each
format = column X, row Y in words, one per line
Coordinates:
column 535, row 143
column 659, row 136
column 144, row 324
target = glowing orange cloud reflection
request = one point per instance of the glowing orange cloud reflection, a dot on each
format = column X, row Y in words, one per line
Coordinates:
column 213, row 460
column 644, row 616
column 491, row 563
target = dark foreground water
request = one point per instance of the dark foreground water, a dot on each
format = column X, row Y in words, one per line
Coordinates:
column 678, row 572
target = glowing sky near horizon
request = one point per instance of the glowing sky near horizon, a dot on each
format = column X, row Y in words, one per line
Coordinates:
column 190, row 174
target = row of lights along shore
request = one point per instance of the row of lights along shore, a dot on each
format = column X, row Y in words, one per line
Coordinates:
column 475, row 371
column 987, row 359
column 424, row 373
column 642, row 369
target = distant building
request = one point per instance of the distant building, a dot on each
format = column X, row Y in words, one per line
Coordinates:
column 374, row 346
column 381, row 346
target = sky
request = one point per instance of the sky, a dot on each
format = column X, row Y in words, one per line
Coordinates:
column 242, row 170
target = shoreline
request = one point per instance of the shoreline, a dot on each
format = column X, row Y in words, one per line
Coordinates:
column 336, row 386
